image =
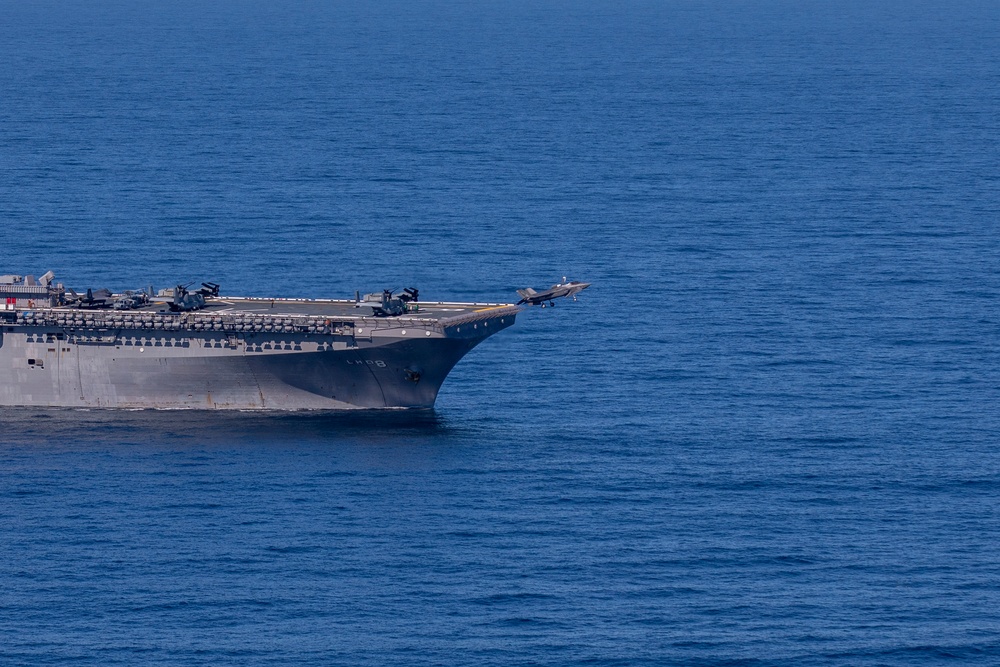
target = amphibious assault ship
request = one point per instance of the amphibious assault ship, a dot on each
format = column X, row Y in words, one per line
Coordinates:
column 184, row 348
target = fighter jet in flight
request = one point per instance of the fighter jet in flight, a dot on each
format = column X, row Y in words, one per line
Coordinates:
column 565, row 288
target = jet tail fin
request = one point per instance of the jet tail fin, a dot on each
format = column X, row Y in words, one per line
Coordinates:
column 526, row 295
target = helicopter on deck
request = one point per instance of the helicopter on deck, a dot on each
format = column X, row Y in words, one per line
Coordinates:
column 185, row 300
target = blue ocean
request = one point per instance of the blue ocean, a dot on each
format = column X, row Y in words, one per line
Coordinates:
column 767, row 435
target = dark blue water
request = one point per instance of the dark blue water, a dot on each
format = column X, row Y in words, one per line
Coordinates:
column 768, row 435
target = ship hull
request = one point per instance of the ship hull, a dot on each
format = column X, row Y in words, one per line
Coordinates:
column 192, row 370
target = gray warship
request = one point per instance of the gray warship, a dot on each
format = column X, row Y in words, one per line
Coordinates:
column 184, row 348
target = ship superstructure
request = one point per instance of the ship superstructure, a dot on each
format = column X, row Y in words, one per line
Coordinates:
column 197, row 349
column 18, row 292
